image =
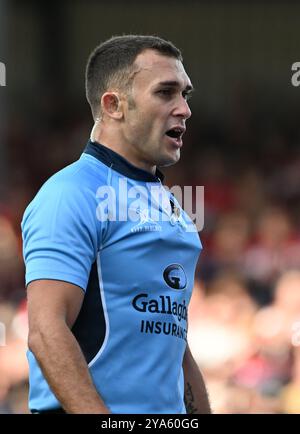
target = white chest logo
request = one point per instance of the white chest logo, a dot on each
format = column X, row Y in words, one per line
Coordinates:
column 146, row 223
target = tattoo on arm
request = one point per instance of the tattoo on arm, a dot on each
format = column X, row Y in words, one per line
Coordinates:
column 189, row 399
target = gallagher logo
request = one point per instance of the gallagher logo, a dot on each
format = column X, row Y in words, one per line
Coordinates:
column 175, row 276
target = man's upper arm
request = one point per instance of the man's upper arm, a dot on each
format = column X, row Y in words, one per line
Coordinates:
column 52, row 300
column 60, row 237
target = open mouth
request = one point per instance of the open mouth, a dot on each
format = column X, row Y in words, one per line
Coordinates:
column 176, row 133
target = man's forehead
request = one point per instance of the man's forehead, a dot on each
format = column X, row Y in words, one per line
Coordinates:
column 153, row 66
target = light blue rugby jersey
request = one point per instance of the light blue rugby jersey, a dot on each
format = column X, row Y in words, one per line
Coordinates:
column 137, row 275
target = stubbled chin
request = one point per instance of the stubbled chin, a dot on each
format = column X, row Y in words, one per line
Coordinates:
column 170, row 159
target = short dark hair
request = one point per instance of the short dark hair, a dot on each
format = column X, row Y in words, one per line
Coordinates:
column 111, row 63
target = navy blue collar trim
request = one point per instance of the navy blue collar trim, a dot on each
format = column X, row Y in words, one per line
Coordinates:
column 117, row 162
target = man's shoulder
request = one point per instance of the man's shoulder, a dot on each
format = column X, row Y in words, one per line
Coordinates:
column 73, row 184
column 84, row 173
column 80, row 176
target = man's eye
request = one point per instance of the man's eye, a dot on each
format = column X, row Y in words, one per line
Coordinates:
column 187, row 95
column 165, row 92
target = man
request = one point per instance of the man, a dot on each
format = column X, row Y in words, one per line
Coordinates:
column 109, row 286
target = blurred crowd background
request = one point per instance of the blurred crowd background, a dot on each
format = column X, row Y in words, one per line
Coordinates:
column 242, row 145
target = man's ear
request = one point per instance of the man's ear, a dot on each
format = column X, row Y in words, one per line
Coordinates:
column 112, row 105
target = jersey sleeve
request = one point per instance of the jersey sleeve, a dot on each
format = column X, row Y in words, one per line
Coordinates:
column 60, row 236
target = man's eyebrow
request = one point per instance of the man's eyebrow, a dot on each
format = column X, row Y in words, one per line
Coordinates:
column 174, row 83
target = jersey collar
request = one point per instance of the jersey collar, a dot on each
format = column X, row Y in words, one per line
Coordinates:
column 114, row 160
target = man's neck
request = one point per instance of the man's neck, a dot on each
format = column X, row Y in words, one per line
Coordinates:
column 126, row 151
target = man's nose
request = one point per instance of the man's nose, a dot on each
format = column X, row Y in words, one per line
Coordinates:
column 183, row 110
